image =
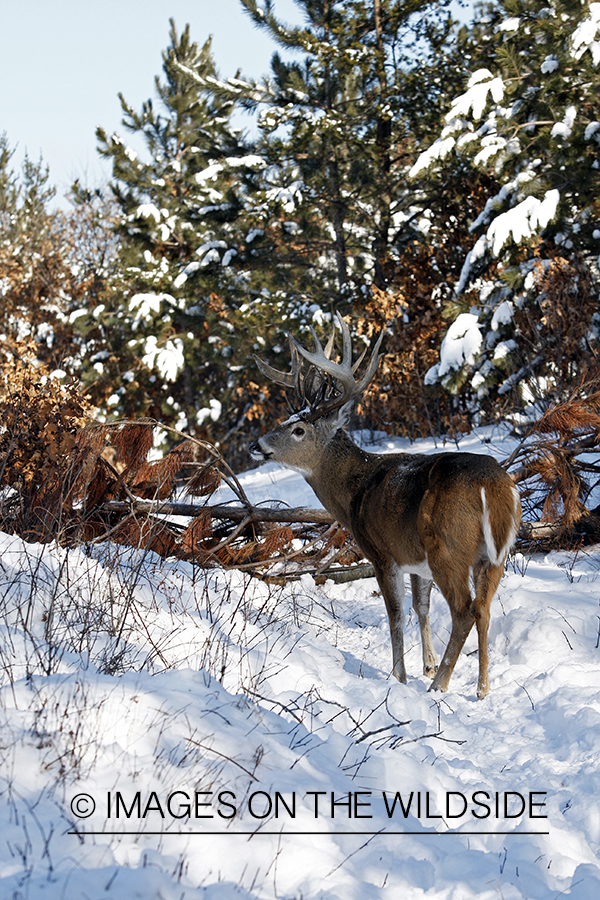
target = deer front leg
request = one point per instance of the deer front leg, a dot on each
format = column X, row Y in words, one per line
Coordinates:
column 391, row 582
column 421, row 593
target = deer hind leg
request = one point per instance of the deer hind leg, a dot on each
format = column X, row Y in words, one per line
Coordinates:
column 486, row 577
column 391, row 582
column 456, row 590
column 421, row 592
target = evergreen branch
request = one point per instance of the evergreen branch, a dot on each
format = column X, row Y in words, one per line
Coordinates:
column 233, row 89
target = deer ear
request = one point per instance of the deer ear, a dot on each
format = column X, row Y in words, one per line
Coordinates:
column 344, row 414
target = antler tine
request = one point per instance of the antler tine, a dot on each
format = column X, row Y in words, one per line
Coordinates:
column 286, row 379
column 342, row 372
column 355, row 365
column 292, row 381
column 346, row 343
column 319, row 349
column 372, row 367
column 330, row 343
column 299, row 386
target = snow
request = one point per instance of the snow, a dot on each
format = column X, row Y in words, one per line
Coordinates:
column 498, row 199
column 475, row 253
column 147, row 306
column 168, row 689
column 251, row 161
column 504, row 348
column 209, row 248
column 510, row 24
column 480, row 85
column 490, row 146
column 212, row 412
column 438, row 150
column 209, row 174
column 289, row 197
column 183, row 276
column 228, row 256
column 523, row 220
column 584, row 36
column 168, row 360
column 148, row 211
column 563, row 129
column 475, row 98
column 550, row 64
column 461, row 344
column 503, row 314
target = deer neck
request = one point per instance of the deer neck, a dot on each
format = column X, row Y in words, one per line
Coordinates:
column 337, row 478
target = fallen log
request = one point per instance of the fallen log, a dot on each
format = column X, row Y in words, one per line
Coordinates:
column 340, row 575
column 538, row 531
column 223, row 511
column 528, row 531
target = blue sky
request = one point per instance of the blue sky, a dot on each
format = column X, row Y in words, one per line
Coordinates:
column 63, row 62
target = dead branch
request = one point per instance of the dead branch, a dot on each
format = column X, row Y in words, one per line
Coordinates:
column 223, row 511
column 340, row 575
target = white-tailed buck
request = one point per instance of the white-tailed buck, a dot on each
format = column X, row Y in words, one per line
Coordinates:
column 449, row 516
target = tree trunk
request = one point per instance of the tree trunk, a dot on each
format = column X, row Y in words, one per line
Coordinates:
column 383, row 143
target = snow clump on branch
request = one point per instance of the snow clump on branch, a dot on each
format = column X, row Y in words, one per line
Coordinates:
column 461, row 345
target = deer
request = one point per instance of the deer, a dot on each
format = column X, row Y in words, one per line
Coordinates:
column 449, row 517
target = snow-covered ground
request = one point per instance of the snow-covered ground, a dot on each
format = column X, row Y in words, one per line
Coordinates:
column 137, row 690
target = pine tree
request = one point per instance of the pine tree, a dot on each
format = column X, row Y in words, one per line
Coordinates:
column 525, row 305
column 337, row 129
column 337, row 220
column 40, row 287
column 224, row 243
column 167, row 324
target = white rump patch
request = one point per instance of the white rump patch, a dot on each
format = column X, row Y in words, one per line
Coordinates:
column 495, row 556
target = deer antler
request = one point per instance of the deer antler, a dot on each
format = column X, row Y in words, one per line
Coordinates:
column 327, row 385
column 293, row 381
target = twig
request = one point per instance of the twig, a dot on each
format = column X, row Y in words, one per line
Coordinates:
column 224, row 755
column 284, row 706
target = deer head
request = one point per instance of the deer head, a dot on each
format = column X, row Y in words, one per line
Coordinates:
column 321, row 399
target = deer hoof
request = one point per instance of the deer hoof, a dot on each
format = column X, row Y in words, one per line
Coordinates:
column 439, row 683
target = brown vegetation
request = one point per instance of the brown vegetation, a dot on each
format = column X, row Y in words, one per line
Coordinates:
column 65, row 477
column 556, row 466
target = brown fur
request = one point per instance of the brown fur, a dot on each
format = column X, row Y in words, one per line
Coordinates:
column 446, row 517
column 408, row 512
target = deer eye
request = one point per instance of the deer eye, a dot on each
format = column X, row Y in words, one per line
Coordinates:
column 298, row 431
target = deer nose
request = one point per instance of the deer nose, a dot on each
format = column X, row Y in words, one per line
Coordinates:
column 256, row 452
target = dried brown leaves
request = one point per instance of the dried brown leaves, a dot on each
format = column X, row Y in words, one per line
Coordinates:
column 557, row 466
column 61, row 473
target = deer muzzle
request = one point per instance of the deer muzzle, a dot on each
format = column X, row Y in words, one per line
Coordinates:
column 257, row 453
